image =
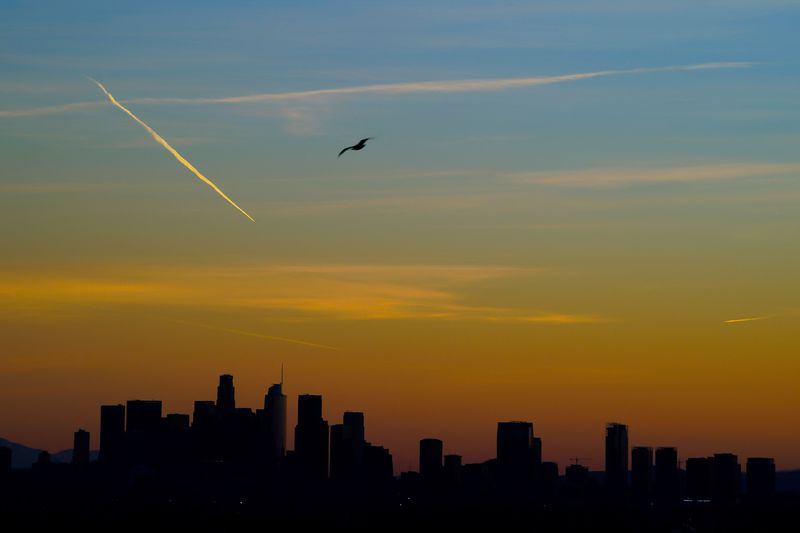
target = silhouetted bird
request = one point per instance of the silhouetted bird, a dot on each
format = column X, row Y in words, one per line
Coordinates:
column 361, row 144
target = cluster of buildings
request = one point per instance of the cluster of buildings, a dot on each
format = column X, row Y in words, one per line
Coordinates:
column 139, row 436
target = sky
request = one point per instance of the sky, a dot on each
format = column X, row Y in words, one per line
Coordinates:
column 572, row 213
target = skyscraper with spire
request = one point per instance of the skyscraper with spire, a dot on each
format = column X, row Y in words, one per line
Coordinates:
column 275, row 420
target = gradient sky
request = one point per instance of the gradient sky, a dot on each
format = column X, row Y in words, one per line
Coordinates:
column 568, row 253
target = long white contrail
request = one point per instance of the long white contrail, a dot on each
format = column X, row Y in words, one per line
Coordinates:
column 160, row 140
column 443, row 86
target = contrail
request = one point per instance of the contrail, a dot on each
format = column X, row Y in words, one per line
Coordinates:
column 443, row 86
column 258, row 335
column 160, row 140
column 440, row 86
column 748, row 319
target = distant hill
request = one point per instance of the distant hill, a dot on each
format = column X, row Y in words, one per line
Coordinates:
column 23, row 457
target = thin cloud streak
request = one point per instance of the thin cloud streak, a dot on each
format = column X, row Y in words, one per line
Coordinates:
column 257, row 335
column 440, row 86
column 48, row 110
column 160, row 140
column 748, row 319
column 445, row 86
column 611, row 177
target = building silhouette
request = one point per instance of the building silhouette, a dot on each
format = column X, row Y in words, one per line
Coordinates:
column 641, row 473
column 667, row 482
column 311, row 439
column 616, row 465
column 80, row 448
column 274, row 425
column 726, row 478
column 698, row 479
column 226, row 396
column 112, row 433
column 347, row 448
column 760, row 478
column 225, row 468
column 430, row 458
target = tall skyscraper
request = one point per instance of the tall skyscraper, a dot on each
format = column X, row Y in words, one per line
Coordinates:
column 80, row 448
column 430, row 458
column 641, row 473
column 311, row 438
column 760, row 478
column 616, row 458
column 112, row 433
column 667, row 481
column 275, row 421
column 226, row 399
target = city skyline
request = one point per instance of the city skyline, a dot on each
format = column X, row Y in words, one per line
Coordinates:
column 573, row 212
column 513, row 439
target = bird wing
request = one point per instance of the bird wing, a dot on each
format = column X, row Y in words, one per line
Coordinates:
column 362, row 141
column 343, row 151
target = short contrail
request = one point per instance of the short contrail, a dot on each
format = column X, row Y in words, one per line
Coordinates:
column 160, row 140
column 748, row 319
column 258, row 335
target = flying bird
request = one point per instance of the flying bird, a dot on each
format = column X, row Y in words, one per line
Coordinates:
column 358, row 146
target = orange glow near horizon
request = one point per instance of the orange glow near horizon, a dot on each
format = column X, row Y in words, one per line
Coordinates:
column 416, row 347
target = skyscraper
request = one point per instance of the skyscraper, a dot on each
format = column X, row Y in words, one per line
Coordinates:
column 616, row 458
column 80, row 448
column 515, row 445
column 726, row 478
column 311, row 438
column 112, row 433
column 698, row 479
column 144, row 416
column 641, row 473
column 226, row 400
column 760, row 478
column 430, row 458
column 347, row 447
column 275, row 421
column 667, row 481
column 142, row 428
column 518, row 454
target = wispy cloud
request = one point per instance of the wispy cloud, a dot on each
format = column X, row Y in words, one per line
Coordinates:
column 442, row 86
column 292, row 292
column 747, row 319
column 48, row 110
column 621, row 176
column 438, row 86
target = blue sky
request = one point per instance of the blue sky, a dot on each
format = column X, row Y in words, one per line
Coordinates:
column 641, row 208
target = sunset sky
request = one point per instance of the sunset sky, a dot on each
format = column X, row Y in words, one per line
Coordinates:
column 573, row 212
